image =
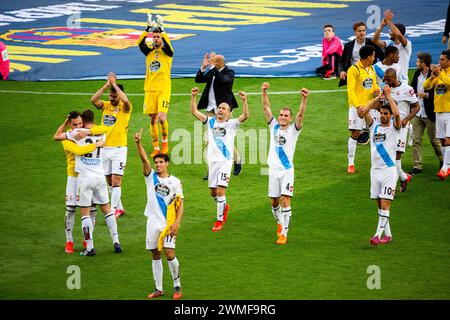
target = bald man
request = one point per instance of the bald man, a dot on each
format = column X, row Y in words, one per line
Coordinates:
column 219, row 88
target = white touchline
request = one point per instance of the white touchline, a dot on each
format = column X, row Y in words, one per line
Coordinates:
column 141, row 94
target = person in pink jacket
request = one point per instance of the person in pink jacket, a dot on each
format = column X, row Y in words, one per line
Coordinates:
column 4, row 62
column 331, row 53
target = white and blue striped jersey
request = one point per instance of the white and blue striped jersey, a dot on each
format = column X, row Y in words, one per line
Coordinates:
column 221, row 139
column 404, row 96
column 383, row 144
column 160, row 194
column 282, row 145
column 381, row 68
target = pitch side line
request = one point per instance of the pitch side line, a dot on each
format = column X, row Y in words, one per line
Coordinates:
column 141, row 94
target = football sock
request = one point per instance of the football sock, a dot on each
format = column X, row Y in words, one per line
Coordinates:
column 400, row 172
column 277, row 214
column 154, row 133
column 446, row 161
column 120, row 205
column 174, row 270
column 351, row 151
column 115, row 197
column 286, row 213
column 93, row 214
column 164, row 130
column 157, row 268
column 86, row 226
column 237, row 158
column 221, row 203
column 383, row 218
column 110, row 220
column 69, row 220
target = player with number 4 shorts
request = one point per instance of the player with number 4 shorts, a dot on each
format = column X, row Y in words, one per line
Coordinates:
column 221, row 130
column 283, row 140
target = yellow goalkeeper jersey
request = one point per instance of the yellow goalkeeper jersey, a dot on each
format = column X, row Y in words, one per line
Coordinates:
column 441, row 87
column 361, row 84
column 158, row 66
column 116, row 118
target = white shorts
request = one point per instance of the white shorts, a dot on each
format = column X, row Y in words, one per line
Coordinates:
column 401, row 143
column 219, row 173
column 154, row 230
column 281, row 182
column 92, row 190
column 71, row 191
column 442, row 125
column 357, row 123
column 114, row 160
column 383, row 183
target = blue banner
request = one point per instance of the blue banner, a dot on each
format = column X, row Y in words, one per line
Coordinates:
column 63, row 40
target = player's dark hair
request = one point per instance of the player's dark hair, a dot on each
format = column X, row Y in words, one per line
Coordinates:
column 163, row 156
column 386, row 106
column 120, row 86
column 328, row 26
column 446, row 53
column 401, row 27
column 425, row 58
column 88, row 116
column 74, row 115
column 391, row 71
column 366, row 51
column 358, row 24
column 390, row 50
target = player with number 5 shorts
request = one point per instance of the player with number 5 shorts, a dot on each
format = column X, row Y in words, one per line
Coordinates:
column 283, row 139
column 221, row 132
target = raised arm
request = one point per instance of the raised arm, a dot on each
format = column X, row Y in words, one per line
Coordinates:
column 394, row 108
column 167, row 46
column 265, row 102
column 60, row 135
column 96, row 99
column 373, row 104
column 301, row 110
column 200, row 116
column 145, row 162
column 396, row 32
column 122, row 96
column 376, row 37
column 414, row 108
column 245, row 113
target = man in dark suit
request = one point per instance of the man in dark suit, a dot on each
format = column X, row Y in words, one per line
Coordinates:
column 425, row 118
column 219, row 85
column 350, row 56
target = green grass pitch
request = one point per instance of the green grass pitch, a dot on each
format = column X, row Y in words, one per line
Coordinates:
column 327, row 255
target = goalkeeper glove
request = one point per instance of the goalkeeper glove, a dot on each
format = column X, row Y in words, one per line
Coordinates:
column 150, row 22
column 160, row 22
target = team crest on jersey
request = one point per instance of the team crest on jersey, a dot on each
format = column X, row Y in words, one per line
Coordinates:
column 109, row 120
column 162, row 190
column 367, row 83
column 280, row 140
column 219, row 132
column 379, row 137
column 155, row 65
column 441, row 89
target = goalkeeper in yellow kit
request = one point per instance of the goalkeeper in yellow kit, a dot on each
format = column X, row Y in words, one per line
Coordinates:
column 157, row 85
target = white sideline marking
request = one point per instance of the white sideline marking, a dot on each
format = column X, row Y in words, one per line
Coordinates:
column 141, row 94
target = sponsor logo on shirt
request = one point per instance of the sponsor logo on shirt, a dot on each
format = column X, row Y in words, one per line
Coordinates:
column 379, row 137
column 441, row 89
column 219, row 132
column 155, row 65
column 280, row 140
column 90, row 161
column 109, row 120
column 367, row 83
